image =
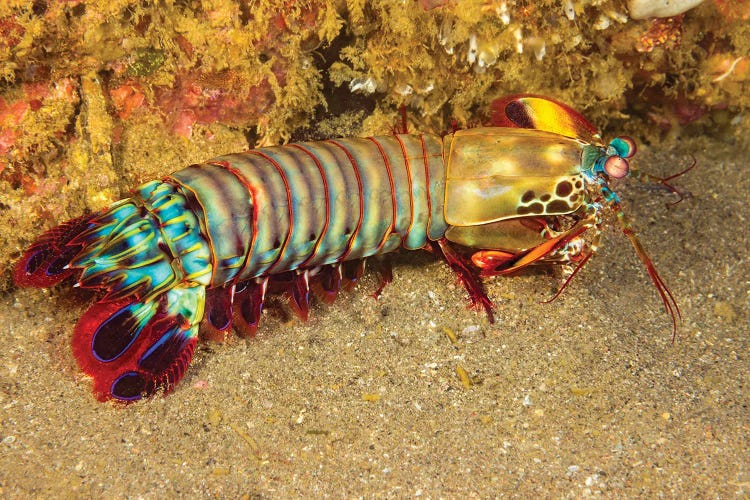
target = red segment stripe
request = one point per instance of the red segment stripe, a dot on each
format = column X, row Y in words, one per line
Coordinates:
column 427, row 184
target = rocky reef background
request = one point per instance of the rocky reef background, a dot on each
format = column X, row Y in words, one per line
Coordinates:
column 98, row 96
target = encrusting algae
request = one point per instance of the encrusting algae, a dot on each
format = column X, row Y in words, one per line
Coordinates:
column 98, row 96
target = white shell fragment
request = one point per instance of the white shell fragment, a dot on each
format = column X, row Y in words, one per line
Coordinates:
column 503, row 13
column 366, row 85
column 643, row 9
column 518, row 35
column 602, row 23
column 617, row 16
column 538, row 45
column 569, row 9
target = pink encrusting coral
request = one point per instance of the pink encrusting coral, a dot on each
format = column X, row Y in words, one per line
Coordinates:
column 126, row 98
column 10, row 117
column 197, row 98
column 13, row 113
column 38, row 104
column 200, row 98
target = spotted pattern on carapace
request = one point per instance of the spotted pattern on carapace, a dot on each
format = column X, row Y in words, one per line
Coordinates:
column 528, row 196
column 566, row 198
column 534, row 208
column 564, row 189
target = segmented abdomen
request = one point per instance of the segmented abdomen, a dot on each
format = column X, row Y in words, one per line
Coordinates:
column 307, row 204
column 234, row 218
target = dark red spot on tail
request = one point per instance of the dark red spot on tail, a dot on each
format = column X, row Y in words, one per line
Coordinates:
column 113, row 336
column 129, row 386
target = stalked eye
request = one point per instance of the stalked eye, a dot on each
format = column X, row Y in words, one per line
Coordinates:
column 616, row 167
column 129, row 386
column 624, row 145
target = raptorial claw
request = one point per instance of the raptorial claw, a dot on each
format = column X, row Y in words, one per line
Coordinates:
column 461, row 267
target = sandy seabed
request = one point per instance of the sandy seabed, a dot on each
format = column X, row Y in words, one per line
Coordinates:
column 582, row 397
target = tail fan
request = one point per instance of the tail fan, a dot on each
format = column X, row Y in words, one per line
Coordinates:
column 45, row 263
column 134, row 348
column 116, row 250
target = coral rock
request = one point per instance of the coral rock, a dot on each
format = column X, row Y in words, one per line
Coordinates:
column 644, row 9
